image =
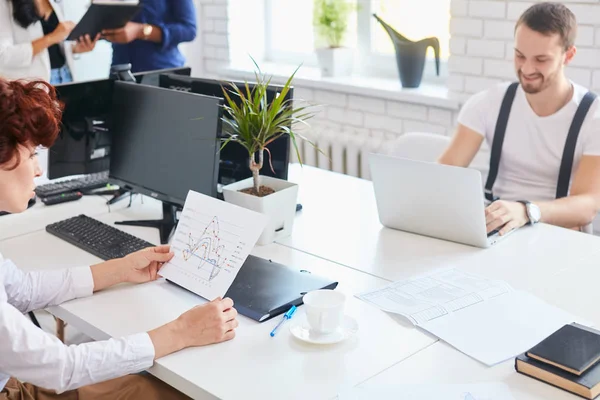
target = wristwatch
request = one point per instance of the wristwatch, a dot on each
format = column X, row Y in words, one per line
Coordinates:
column 533, row 212
column 147, row 30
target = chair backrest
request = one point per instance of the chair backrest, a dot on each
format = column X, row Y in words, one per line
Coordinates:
column 419, row 146
column 424, row 146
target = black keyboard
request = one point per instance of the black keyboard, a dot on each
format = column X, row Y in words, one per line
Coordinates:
column 96, row 237
column 88, row 182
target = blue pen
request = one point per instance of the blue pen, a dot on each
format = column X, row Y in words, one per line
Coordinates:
column 286, row 316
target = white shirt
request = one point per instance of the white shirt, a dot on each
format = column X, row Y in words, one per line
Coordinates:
column 32, row 355
column 16, row 52
column 533, row 145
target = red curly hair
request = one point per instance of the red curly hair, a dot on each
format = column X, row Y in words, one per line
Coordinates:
column 30, row 114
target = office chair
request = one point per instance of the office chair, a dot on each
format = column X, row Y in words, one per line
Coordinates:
column 423, row 146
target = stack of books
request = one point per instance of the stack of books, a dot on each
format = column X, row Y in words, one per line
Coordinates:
column 567, row 359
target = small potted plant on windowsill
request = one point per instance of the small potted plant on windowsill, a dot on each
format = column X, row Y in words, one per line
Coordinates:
column 252, row 122
column 330, row 19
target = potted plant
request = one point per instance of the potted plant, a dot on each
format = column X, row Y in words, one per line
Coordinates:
column 330, row 19
column 250, row 121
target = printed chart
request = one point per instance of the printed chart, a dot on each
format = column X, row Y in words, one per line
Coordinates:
column 211, row 243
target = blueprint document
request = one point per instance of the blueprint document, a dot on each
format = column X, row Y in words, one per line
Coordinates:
column 484, row 318
column 432, row 296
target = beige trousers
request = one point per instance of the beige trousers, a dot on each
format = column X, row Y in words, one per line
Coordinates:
column 130, row 387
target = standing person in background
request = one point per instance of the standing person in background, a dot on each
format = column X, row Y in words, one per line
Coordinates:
column 150, row 41
column 32, row 41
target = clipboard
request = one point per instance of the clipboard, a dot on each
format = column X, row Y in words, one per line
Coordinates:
column 100, row 16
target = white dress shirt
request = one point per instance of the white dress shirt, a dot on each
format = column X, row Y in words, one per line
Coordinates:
column 32, row 355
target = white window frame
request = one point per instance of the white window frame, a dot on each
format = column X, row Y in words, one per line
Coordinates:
column 368, row 62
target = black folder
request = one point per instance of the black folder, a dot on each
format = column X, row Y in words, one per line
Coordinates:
column 264, row 289
column 100, row 16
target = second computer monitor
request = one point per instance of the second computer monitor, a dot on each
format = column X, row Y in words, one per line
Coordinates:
column 165, row 142
column 83, row 146
column 151, row 78
column 234, row 160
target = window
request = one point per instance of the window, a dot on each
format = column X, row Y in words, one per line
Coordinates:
column 288, row 33
column 430, row 18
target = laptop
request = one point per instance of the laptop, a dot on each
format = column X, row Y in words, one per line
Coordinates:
column 431, row 199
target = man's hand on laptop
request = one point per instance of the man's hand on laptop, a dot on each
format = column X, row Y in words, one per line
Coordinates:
column 505, row 216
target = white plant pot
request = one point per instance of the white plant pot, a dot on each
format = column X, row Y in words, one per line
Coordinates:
column 335, row 62
column 280, row 206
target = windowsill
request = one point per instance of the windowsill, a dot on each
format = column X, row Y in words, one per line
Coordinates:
column 390, row 89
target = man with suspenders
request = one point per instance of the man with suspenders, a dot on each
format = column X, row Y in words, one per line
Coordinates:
column 544, row 132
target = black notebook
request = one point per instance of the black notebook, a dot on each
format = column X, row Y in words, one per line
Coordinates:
column 574, row 348
column 264, row 289
column 104, row 15
column 586, row 385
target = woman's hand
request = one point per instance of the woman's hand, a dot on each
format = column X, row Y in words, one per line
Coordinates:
column 127, row 34
column 85, row 44
column 139, row 267
column 143, row 266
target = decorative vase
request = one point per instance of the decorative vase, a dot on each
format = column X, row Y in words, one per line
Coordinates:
column 280, row 206
column 410, row 55
column 335, row 61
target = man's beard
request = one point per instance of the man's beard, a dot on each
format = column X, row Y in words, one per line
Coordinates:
column 535, row 87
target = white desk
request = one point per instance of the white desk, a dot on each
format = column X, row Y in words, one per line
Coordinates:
column 37, row 217
column 574, row 290
column 254, row 365
column 339, row 222
column 338, row 227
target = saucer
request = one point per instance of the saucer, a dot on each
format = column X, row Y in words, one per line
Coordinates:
column 301, row 329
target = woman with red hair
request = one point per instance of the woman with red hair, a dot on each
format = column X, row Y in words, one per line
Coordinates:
column 29, row 117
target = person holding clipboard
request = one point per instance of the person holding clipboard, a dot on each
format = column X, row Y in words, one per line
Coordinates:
column 32, row 41
column 150, row 40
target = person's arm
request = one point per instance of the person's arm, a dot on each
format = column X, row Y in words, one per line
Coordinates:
column 583, row 203
column 38, row 289
column 574, row 211
column 14, row 55
column 463, row 148
column 28, row 291
column 32, row 355
column 182, row 28
column 167, row 34
column 473, row 123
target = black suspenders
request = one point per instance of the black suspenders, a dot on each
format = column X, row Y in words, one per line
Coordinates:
column 566, row 165
column 496, row 151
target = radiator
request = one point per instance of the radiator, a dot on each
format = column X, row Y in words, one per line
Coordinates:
column 346, row 154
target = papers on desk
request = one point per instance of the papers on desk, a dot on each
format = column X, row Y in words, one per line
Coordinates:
column 211, row 243
column 472, row 391
column 484, row 318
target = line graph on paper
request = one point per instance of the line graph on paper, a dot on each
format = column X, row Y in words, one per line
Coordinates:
column 207, row 251
column 211, row 243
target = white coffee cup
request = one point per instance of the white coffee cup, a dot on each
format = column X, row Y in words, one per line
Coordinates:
column 324, row 310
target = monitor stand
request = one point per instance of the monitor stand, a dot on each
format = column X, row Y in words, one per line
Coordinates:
column 166, row 225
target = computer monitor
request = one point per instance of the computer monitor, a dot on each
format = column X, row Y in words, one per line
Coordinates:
column 165, row 143
column 83, row 145
column 233, row 165
column 151, row 78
